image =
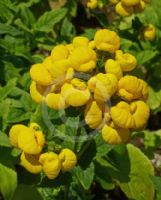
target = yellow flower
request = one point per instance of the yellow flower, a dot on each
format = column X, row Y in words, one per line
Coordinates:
column 130, row 3
column 31, row 163
column 83, row 59
column 113, row 67
column 37, row 92
column 55, row 101
column 103, row 86
column 133, row 115
column 132, row 88
column 140, row 7
column 31, row 141
column 150, row 32
column 123, row 11
column 14, row 133
column 40, row 74
column 75, row 93
column 60, row 52
column 59, row 68
column 113, row 135
column 114, row 1
column 80, row 41
column 68, row 159
column 96, row 114
column 107, row 40
column 127, row 61
column 51, row 164
column 70, row 47
column 92, row 4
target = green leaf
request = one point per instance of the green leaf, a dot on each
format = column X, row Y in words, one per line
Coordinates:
column 157, row 183
column 89, row 33
column 145, row 56
column 8, row 182
column 7, row 29
column 85, row 176
column 27, row 192
column 137, row 171
column 4, row 140
column 103, row 177
column 46, row 22
column 4, row 112
column 153, row 100
column 6, row 90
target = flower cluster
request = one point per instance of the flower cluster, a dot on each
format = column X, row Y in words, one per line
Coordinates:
column 126, row 8
column 93, row 74
column 123, row 8
column 31, row 141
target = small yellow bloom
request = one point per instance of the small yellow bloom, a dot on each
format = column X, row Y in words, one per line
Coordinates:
column 107, row 40
column 55, row 101
column 31, row 141
column 96, row 114
column 80, row 41
column 113, row 135
column 68, row 159
column 92, row 4
column 60, row 52
column 75, row 93
column 103, row 86
column 37, row 92
column 123, row 11
column 114, row 1
column 31, row 163
column 130, row 3
column 14, row 133
column 150, row 32
column 133, row 115
column 40, row 74
column 70, row 47
column 127, row 61
column 113, row 67
column 51, row 164
column 132, row 88
column 83, row 59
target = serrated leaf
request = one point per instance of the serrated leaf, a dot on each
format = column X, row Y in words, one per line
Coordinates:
column 46, row 22
column 85, row 176
column 7, row 29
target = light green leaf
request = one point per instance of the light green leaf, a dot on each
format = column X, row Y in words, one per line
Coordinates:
column 8, row 182
column 139, row 186
column 153, row 100
column 4, row 140
column 85, row 176
column 46, row 22
column 145, row 56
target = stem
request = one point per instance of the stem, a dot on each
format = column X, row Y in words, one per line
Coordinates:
column 66, row 191
column 77, row 139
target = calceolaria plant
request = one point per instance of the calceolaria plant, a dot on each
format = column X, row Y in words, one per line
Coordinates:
column 92, row 76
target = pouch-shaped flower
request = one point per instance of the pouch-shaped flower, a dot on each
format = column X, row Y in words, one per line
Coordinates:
column 37, row 92
column 132, row 88
column 31, row 163
column 31, row 141
column 107, row 40
column 75, row 93
column 134, row 115
column 124, row 11
column 68, row 159
column 59, row 52
column 51, row 164
column 103, row 86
